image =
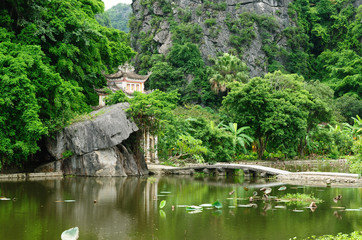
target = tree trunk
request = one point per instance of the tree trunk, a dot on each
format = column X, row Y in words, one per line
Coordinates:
column 261, row 148
column 301, row 147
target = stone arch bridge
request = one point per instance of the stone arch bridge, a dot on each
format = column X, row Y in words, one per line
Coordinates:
column 226, row 169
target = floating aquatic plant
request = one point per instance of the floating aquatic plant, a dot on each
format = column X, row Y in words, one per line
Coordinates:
column 162, row 203
column 193, row 208
column 151, row 180
column 70, row 234
column 299, row 199
column 282, row 188
column 206, row 205
column 217, row 204
column 5, row 199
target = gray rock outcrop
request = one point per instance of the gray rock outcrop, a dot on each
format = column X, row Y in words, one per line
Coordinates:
column 96, row 146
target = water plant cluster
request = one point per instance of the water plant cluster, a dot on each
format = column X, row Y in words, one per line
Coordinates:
column 295, row 200
column 356, row 235
column 299, row 199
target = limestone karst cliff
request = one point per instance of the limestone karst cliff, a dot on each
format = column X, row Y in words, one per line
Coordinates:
column 253, row 29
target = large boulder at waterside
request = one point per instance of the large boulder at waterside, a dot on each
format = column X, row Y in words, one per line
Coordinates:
column 98, row 146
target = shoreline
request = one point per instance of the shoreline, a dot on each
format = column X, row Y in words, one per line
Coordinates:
column 30, row 176
column 322, row 179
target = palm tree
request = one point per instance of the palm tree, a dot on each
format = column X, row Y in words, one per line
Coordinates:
column 238, row 135
column 227, row 69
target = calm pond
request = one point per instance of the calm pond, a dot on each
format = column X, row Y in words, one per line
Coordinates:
column 128, row 208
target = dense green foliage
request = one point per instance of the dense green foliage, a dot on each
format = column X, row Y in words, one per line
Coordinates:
column 117, row 97
column 116, row 17
column 356, row 131
column 333, row 44
column 299, row 199
column 34, row 100
column 151, row 111
column 227, row 70
column 73, row 42
column 51, row 55
column 278, row 110
column 340, row 236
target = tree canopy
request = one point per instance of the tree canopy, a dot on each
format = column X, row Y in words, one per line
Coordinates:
column 277, row 109
column 51, row 56
column 226, row 70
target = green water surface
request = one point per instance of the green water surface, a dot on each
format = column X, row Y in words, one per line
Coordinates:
column 128, row 208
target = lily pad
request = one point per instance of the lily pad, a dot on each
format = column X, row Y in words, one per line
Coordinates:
column 282, row 188
column 206, row 205
column 193, row 208
column 268, row 190
column 338, row 207
column 245, row 205
column 280, row 207
column 195, row 211
column 70, row 234
column 68, row 201
column 352, row 210
column 5, row 199
column 298, row 210
column 162, row 213
column 217, row 204
column 162, row 203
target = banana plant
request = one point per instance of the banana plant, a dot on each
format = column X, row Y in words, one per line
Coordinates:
column 239, row 137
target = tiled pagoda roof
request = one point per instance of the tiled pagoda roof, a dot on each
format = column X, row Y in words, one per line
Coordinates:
column 126, row 71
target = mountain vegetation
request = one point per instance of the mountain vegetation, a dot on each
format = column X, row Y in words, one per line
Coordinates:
column 286, row 73
column 231, row 83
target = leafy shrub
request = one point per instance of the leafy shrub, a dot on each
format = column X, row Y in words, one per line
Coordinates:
column 340, row 236
column 210, row 22
column 116, row 97
column 251, row 156
column 356, row 162
column 299, row 199
column 67, row 154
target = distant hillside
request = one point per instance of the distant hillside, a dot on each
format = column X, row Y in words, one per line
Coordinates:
column 116, row 17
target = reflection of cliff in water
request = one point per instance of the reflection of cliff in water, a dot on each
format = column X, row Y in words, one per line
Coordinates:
column 127, row 208
column 122, row 204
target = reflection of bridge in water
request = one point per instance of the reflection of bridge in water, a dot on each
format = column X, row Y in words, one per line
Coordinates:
column 321, row 178
column 226, row 169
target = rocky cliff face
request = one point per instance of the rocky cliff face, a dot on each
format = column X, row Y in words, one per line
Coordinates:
column 97, row 147
column 253, row 29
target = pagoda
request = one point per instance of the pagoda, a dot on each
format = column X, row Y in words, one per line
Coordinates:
column 125, row 79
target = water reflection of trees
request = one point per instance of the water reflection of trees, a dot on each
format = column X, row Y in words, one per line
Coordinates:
column 129, row 207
